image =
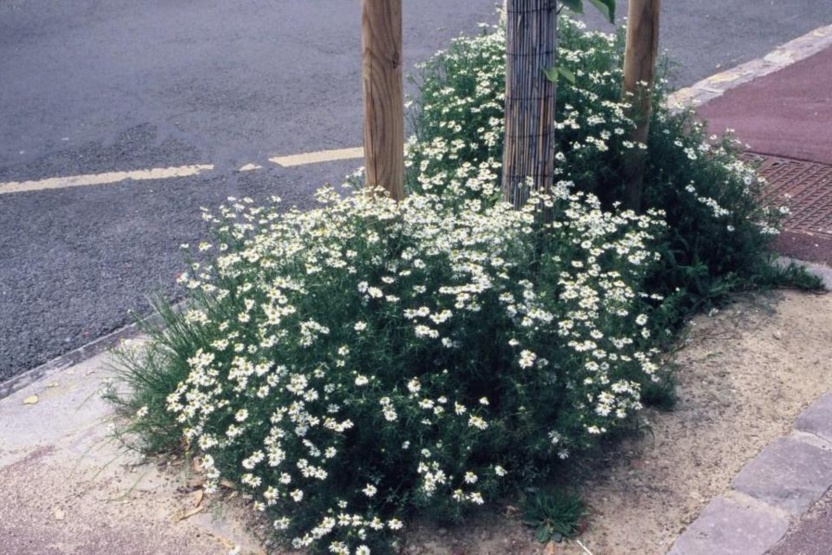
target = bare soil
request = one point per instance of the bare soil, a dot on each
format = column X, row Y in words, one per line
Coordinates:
column 744, row 375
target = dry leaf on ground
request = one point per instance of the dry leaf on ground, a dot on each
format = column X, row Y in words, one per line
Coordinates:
column 182, row 515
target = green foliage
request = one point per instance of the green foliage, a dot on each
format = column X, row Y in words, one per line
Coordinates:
column 358, row 362
column 554, row 515
column 661, row 392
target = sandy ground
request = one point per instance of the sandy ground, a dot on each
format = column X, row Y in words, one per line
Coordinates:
column 745, row 374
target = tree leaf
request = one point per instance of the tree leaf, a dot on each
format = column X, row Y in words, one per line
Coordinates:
column 31, row 400
column 606, row 7
column 566, row 74
column 551, row 74
column 554, row 73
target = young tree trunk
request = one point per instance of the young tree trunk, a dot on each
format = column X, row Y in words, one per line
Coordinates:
column 531, row 48
column 639, row 71
column 381, row 32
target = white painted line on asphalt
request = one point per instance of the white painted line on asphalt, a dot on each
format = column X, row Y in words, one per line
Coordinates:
column 102, row 178
column 250, row 167
column 318, row 157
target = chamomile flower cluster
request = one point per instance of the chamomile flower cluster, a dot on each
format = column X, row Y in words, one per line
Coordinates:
column 368, row 352
column 720, row 223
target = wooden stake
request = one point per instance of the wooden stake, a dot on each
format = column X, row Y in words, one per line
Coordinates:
column 531, row 49
column 639, row 70
column 381, row 26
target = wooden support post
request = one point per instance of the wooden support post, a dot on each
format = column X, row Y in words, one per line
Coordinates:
column 381, row 26
column 531, row 49
column 639, row 71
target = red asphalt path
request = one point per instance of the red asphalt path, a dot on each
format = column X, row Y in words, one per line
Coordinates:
column 788, row 114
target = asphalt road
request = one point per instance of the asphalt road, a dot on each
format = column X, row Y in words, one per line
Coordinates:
column 89, row 87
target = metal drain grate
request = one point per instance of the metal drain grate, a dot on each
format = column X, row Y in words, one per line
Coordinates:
column 805, row 187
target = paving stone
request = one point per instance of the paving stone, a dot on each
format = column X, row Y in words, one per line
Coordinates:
column 817, row 419
column 788, row 474
column 732, row 527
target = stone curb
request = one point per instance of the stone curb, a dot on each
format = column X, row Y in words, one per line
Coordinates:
column 85, row 352
column 776, row 487
column 781, row 57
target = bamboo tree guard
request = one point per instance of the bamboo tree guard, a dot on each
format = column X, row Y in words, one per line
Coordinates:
column 639, row 71
column 531, row 48
column 381, row 32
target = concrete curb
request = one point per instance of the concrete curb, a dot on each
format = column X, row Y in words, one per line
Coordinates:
column 779, row 485
column 823, row 272
column 781, row 57
column 81, row 354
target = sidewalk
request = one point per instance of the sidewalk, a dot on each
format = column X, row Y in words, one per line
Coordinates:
column 70, row 488
column 781, row 502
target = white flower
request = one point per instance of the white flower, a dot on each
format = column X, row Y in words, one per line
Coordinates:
column 297, row 495
column 477, row 422
column 369, row 490
column 476, row 498
column 375, row 292
column 527, row 359
column 361, row 380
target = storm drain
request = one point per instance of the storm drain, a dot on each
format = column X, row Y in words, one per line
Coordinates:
column 805, row 187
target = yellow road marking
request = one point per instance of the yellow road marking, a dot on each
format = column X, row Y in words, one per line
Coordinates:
column 318, row 157
column 102, row 178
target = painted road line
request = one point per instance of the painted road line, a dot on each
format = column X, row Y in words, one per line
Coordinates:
column 102, row 178
column 250, row 168
column 318, row 157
